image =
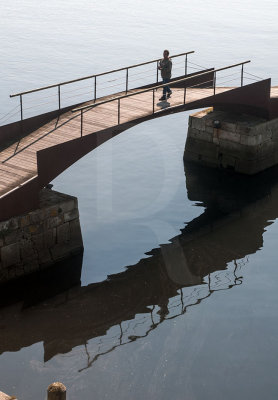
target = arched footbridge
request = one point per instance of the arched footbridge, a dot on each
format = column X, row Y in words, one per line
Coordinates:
column 37, row 149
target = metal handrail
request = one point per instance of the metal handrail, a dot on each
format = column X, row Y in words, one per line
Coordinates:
column 95, row 75
column 153, row 89
column 158, row 86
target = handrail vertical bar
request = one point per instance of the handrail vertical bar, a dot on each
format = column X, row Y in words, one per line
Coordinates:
column 157, row 71
column 185, row 67
column 21, row 118
column 21, row 108
column 184, row 95
column 242, row 74
column 95, row 90
column 119, row 106
column 214, row 83
column 81, row 127
column 126, row 83
column 59, row 96
column 153, row 101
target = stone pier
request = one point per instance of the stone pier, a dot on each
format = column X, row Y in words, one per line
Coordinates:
column 41, row 238
column 244, row 143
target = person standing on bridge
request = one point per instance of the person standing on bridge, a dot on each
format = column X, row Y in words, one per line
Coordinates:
column 165, row 66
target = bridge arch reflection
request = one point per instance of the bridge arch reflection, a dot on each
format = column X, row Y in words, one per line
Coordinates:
column 209, row 255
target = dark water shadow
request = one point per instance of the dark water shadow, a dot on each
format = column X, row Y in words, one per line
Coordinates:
column 206, row 257
column 44, row 284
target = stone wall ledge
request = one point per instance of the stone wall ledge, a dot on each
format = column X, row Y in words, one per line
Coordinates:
column 36, row 240
column 245, row 143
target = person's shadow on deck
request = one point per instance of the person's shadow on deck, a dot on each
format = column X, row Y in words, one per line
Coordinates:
column 163, row 104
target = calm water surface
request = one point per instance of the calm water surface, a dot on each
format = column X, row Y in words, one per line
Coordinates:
column 195, row 318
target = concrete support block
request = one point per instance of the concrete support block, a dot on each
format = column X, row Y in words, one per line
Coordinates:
column 13, row 236
column 227, row 161
column 200, row 135
column 198, row 123
column 51, row 237
column 67, row 206
column 228, row 135
column 202, row 148
column 248, row 140
column 274, row 135
column 53, row 212
column 71, row 215
column 39, row 242
column 228, row 126
column 266, row 149
column 32, row 259
column 246, row 143
column 203, row 160
column 10, row 255
column 27, row 249
column 243, row 129
column 190, row 156
column 34, row 229
column 44, row 258
column 60, row 252
column 8, row 226
column 208, row 123
column 24, row 221
column 36, row 217
column 38, row 239
column 210, row 130
column 53, row 222
column 75, row 231
column 238, row 151
column 63, row 233
column 32, row 266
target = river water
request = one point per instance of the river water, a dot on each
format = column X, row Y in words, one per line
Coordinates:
column 178, row 295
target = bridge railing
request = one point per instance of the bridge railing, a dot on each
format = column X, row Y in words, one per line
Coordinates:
column 210, row 82
column 206, row 81
column 95, row 77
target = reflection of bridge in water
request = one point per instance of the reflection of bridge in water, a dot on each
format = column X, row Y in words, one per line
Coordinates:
column 206, row 257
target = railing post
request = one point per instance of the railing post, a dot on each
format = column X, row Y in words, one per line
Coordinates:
column 81, row 127
column 126, row 83
column 157, row 63
column 21, row 108
column 153, row 100
column 214, row 83
column 119, row 105
column 59, row 96
column 185, row 67
column 184, row 95
column 95, row 91
column 241, row 74
column 56, row 391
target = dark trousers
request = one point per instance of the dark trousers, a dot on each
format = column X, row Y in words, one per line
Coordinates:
column 166, row 89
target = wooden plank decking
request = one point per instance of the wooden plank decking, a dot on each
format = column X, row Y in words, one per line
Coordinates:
column 18, row 163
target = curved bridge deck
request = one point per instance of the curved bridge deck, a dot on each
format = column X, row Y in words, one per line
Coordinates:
column 40, row 156
column 19, row 161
